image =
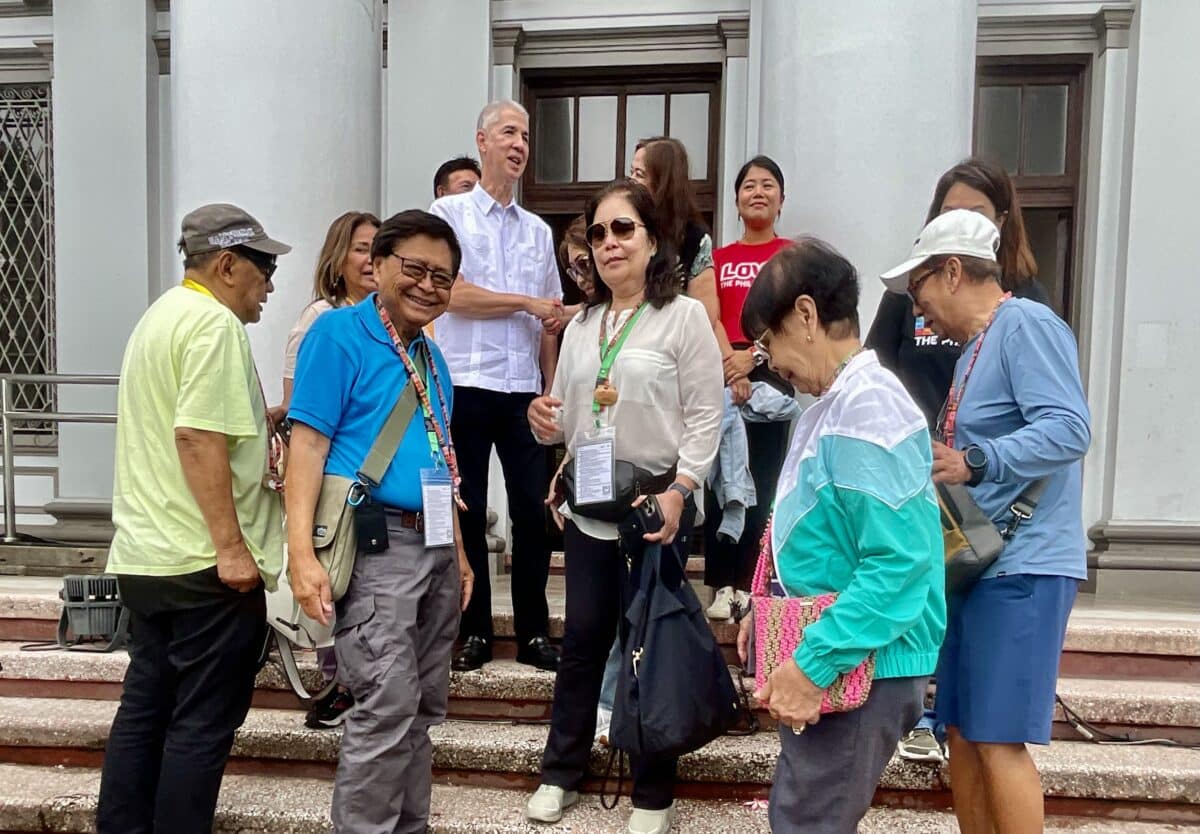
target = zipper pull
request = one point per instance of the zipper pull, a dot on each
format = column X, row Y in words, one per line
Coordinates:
column 637, row 658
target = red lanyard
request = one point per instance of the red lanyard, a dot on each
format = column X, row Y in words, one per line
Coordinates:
column 438, row 441
column 954, row 400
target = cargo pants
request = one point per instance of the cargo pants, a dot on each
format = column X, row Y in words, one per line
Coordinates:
column 396, row 627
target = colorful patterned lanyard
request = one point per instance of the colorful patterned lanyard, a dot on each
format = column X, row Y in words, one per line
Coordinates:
column 954, row 400
column 272, row 480
column 440, row 445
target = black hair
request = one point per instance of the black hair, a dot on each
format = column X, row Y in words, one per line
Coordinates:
column 410, row 223
column 662, row 283
column 811, row 267
column 767, row 164
column 451, row 166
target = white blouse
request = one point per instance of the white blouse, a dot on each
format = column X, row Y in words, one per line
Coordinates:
column 307, row 316
column 669, row 393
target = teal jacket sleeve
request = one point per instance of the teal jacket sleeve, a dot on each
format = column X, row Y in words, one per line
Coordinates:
column 898, row 550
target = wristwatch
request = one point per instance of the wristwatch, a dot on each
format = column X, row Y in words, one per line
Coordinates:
column 976, row 460
column 759, row 356
column 682, row 490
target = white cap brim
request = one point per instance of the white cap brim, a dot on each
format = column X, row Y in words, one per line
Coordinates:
column 896, row 279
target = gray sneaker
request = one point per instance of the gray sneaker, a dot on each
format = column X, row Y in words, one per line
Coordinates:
column 920, row 746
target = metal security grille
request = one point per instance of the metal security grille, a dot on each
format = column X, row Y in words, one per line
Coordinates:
column 27, row 343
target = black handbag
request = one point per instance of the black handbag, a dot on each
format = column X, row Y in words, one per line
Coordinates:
column 972, row 542
column 629, row 481
column 674, row 690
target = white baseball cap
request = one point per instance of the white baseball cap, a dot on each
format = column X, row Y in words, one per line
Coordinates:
column 957, row 232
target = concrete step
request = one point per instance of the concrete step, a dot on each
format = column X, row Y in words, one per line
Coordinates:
column 1160, row 783
column 64, row 800
column 510, row 691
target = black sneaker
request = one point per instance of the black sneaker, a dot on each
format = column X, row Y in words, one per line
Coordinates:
column 538, row 652
column 330, row 711
column 474, row 653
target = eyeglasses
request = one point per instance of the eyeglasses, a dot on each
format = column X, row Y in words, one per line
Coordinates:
column 417, row 270
column 914, row 285
column 622, row 229
column 262, row 262
column 580, row 267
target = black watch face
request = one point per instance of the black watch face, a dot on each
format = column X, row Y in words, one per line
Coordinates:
column 976, row 459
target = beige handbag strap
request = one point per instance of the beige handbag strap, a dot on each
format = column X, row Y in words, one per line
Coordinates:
column 390, row 436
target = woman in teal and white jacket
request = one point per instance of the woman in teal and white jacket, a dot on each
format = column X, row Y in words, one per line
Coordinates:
column 855, row 514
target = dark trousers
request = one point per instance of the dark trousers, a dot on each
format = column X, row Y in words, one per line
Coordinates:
column 598, row 592
column 187, row 690
column 732, row 563
column 483, row 419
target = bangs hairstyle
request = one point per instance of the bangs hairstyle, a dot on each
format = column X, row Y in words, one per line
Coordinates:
column 409, row 224
column 328, row 283
column 767, row 164
column 575, row 235
column 1017, row 264
column 662, row 283
column 811, row 267
column 667, row 167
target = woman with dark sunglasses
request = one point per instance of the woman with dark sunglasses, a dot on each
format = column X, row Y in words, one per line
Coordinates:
column 641, row 362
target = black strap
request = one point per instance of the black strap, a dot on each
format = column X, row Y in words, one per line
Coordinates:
column 1022, row 509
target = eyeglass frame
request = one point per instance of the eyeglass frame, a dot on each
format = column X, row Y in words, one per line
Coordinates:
column 607, row 229
column 576, row 271
column 914, row 287
column 426, row 269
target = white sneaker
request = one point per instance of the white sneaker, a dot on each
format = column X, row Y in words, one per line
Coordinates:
column 642, row 821
column 720, row 608
column 548, row 803
column 603, row 725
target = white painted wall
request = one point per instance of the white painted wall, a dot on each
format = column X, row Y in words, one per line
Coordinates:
column 106, row 211
column 439, row 74
column 275, row 106
column 863, row 105
column 1157, row 449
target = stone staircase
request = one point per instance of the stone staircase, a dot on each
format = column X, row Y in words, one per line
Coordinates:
column 1125, row 671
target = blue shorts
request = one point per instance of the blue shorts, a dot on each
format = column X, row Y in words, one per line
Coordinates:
column 998, row 668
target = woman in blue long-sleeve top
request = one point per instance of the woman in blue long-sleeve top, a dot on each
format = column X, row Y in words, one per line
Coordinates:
column 1016, row 414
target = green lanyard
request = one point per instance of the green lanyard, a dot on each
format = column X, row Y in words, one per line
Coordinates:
column 608, row 355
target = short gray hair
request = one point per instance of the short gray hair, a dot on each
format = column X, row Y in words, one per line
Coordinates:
column 490, row 114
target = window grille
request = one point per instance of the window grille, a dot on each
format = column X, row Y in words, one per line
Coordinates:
column 27, row 343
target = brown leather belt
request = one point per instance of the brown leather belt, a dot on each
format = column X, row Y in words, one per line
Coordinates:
column 408, row 520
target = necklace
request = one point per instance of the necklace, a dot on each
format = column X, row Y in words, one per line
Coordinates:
column 605, row 393
column 841, row 367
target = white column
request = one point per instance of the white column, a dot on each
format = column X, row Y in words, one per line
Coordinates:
column 864, row 104
column 734, row 103
column 275, row 106
column 1103, row 272
column 1156, row 478
column 439, row 71
column 106, row 218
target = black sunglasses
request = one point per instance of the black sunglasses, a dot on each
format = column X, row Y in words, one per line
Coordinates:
column 417, row 270
column 622, row 229
column 263, row 262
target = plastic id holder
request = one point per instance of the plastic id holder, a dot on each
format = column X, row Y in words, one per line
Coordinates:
column 437, row 507
column 595, row 462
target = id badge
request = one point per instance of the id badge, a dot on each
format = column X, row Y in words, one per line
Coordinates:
column 437, row 507
column 595, row 461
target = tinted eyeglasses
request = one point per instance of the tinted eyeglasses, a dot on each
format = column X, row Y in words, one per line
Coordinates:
column 417, row 270
column 263, row 262
column 580, row 268
column 622, row 229
column 914, row 284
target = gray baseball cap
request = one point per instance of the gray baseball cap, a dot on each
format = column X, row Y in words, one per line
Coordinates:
column 223, row 226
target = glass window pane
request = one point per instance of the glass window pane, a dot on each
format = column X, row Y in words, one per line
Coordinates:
column 1049, row 233
column 689, row 124
column 553, row 139
column 1046, row 129
column 597, row 138
column 644, row 117
column 999, row 127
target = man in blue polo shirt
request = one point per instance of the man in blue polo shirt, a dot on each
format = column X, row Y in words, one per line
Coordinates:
column 397, row 622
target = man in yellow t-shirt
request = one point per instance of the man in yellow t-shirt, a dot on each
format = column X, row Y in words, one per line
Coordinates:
column 199, row 529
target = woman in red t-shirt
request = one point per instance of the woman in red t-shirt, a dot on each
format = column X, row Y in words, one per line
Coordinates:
column 728, row 566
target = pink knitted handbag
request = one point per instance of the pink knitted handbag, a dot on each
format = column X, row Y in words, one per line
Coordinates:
column 779, row 624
